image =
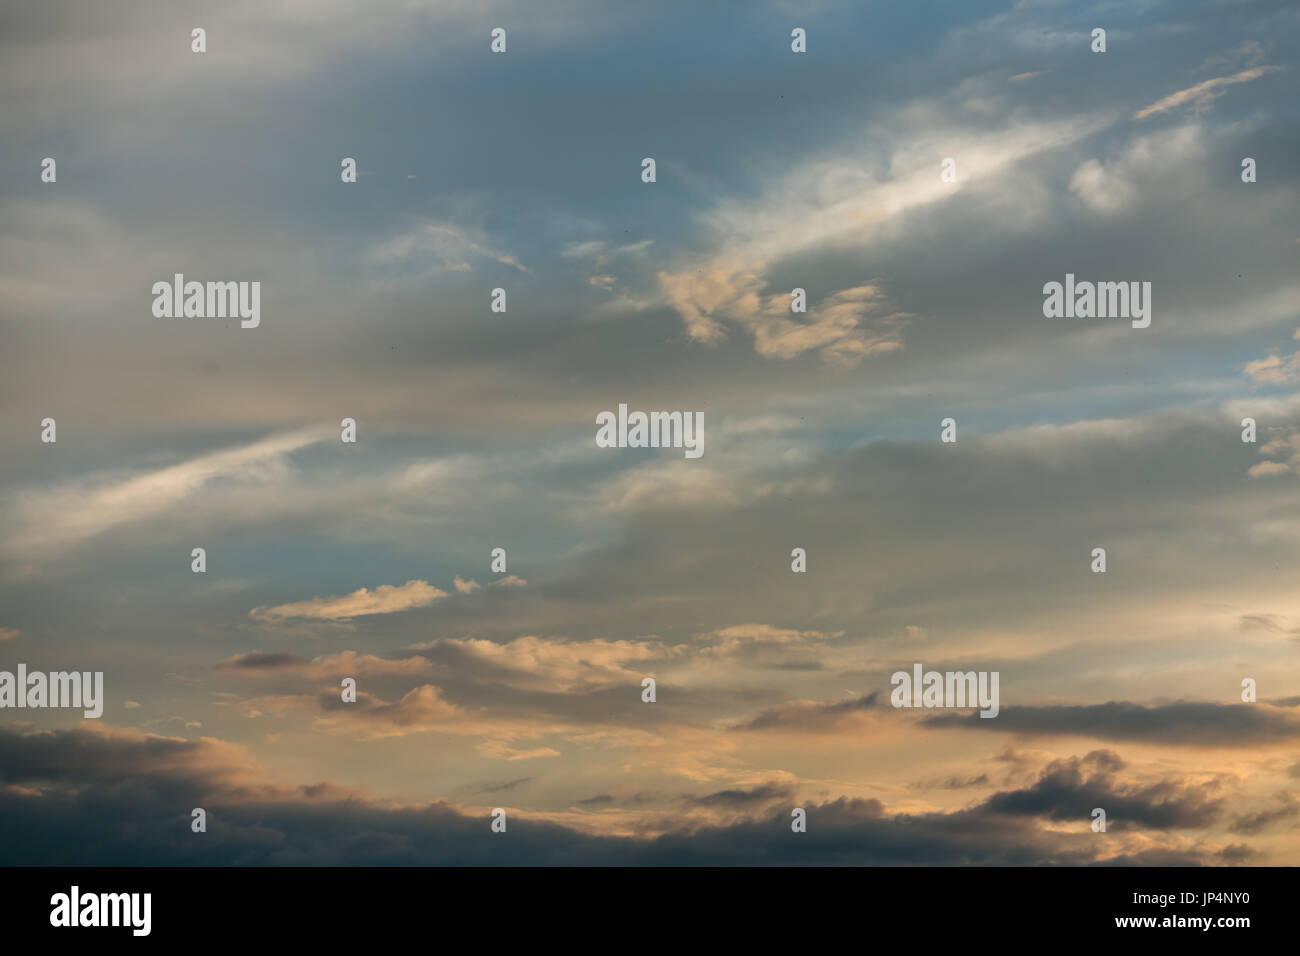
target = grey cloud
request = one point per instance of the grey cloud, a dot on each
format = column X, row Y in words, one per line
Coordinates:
column 1181, row 723
column 93, row 812
column 739, row 799
column 1286, row 807
column 259, row 660
column 810, row 716
column 505, row 786
column 1070, row 789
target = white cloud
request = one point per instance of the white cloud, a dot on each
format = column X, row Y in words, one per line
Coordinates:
column 539, row 663
column 1203, row 94
column 430, row 247
column 1275, row 370
column 1114, row 187
column 840, row 202
column 48, row 521
column 385, row 599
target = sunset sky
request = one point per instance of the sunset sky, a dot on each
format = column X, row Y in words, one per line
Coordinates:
column 522, row 689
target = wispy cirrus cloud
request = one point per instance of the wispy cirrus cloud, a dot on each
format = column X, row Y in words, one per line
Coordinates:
column 839, row 203
column 435, row 246
column 1202, row 94
column 49, row 521
column 363, row 602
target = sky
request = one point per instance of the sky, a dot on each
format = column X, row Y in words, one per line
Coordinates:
column 521, row 689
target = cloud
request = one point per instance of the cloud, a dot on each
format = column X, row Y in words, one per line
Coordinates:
column 1102, row 193
column 1286, row 447
column 276, row 705
column 739, row 799
column 1287, row 807
column 256, row 660
column 276, row 43
column 108, row 755
column 1270, row 622
column 1115, row 187
column 1069, row 789
column 385, row 599
column 762, row 645
column 420, row 710
column 923, row 302
column 501, row 750
column 602, row 253
column 330, row 667
column 1268, row 469
column 660, row 485
column 556, row 666
column 807, row 716
column 833, row 328
column 142, row 786
column 1203, row 94
column 1275, row 370
column 836, row 203
column 431, row 247
column 8, row 634
column 73, row 512
column 502, row 787
column 1182, row 723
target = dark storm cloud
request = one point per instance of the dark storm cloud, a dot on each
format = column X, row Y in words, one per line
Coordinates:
column 105, row 759
column 860, row 832
column 1070, row 789
column 92, row 808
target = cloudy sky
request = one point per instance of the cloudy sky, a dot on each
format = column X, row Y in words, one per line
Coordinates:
column 521, row 689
